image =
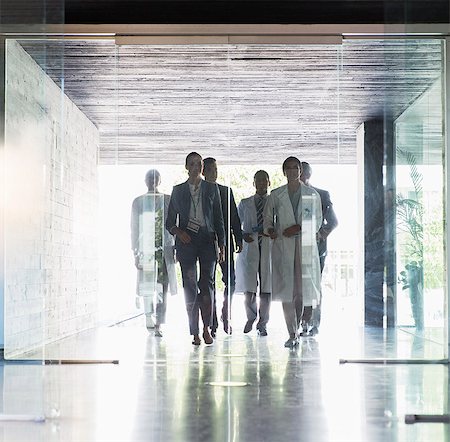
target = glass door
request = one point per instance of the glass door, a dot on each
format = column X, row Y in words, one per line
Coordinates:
column 401, row 195
column 419, row 142
column 30, row 128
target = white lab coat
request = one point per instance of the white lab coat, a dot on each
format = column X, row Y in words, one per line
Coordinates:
column 279, row 214
column 247, row 262
column 144, row 236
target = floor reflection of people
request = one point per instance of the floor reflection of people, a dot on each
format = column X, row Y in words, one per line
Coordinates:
column 199, row 418
column 195, row 218
column 156, row 397
column 254, row 404
column 292, row 218
column 153, row 250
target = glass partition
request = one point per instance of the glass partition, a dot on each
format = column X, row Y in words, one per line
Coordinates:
column 31, row 129
column 401, row 196
column 91, row 268
column 419, row 149
column 50, row 222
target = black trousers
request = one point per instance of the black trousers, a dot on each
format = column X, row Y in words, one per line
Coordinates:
column 198, row 291
column 229, row 279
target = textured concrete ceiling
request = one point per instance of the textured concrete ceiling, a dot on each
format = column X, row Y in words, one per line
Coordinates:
column 239, row 103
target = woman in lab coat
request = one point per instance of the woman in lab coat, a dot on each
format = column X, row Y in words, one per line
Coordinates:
column 292, row 218
column 153, row 249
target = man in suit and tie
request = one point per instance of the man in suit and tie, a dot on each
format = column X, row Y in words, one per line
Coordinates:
column 195, row 218
column 329, row 223
column 233, row 235
column 253, row 263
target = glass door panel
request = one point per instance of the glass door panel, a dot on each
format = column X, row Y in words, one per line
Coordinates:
column 32, row 128
column 419, row 146
column 400, row 162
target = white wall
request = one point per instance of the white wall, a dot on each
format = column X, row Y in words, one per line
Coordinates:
column 51, row 265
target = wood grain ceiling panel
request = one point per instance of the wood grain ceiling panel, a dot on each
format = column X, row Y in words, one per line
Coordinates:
column 241, row 104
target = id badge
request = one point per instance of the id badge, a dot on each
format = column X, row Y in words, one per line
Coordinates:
column 193, row 225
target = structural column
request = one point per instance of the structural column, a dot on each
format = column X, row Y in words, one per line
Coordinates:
column 390, row 226
column 378, row 233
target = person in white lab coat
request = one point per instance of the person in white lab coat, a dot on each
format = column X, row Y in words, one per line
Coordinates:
column 253, row 263
column 292, row 218
column 329, row 223
column 153, row 249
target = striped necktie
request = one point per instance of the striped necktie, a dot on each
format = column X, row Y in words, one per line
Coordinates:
column 259, row 201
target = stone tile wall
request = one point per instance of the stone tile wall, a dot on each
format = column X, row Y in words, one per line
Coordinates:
column 51, row 265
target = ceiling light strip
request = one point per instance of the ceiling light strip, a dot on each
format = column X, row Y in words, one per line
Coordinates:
column 226, row 39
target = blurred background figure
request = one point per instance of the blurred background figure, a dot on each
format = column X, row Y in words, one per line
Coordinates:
column 153, row 249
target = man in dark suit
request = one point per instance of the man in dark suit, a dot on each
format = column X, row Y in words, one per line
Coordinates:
column 233, row 233
column 195, row 218
column 329, row 223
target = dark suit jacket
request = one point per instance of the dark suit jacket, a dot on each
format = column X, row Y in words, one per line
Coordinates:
column 226, row 195
column 180, row 204
column 329, row 220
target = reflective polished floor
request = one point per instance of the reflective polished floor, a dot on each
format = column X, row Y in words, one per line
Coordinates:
column 164, row 389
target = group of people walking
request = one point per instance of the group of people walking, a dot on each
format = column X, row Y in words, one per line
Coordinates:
column 279, row 239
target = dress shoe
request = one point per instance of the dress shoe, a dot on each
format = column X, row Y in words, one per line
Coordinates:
column 248, row 326
column 213, row 332
column 227, row 327
column 291, row 342
column 207, row 337
column 304, row 333
column 158, row 333
column 196, row 340
column 262, row 332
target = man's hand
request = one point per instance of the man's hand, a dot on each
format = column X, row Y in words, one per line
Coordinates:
column 292, row 230
column 247, row 237
column 272, row 233
column 221, row 254
column 184, row 236
column 239, row 248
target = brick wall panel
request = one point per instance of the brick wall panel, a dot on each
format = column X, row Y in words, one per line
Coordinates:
column 51, row 276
